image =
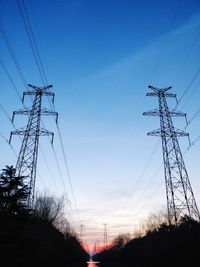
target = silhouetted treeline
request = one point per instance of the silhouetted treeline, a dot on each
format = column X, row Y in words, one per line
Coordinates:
column 166, row 246
column 38, row 237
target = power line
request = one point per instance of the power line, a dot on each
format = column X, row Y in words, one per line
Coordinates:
column 10, row 79
column 162, row 51
column 141, row 174
column 188, row 87
column 145, row 167
column 192, row 93
column 167, row 38
column 10, row 120
column 187, row 54
column 154, row 175
column 193, row 117
column 192, row 143
column 147, row 186
column 153, row 194
column 67, row 170
column 7, row 141
column 149, row 199
column 32, row 41
column 48, row 167
column 179, row 193
column 13, row 56
column 35, row 50
column 9, row 47
column 27, row 160
column 6, row 114
column 41, row 179
column 10, row 145
column 59, row 170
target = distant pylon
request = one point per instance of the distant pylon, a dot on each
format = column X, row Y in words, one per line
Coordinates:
column 27, row 160
column 180, row 197
column 81, row 235
column 97, row 246
column 105, row 236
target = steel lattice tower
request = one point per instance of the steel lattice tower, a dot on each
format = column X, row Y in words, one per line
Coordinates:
column 180, row 197
column 105, row 235
column 27, row 160
column 81, row 235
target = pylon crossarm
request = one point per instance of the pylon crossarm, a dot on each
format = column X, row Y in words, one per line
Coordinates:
column 39, row 91
column 36, row 88
column 48, row 112
column 26, row 111
column 156, row 89
column 152, row 94
column 44, row 132
column 177, row 114
column 177, row 133
column 27, row 93
column 159, row 93
column 52, row 96
column 170, row 95
column 155, row 133
column 154, row 112
column 48, row 94
column 21, row 131
column 180, row 133
column 41, row 132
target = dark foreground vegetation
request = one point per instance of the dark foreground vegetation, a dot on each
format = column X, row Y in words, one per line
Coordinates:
column 27, row 242
column 165, row 246
column 38, row 237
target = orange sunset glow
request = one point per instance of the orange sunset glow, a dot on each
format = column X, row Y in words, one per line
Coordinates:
column 93, row 248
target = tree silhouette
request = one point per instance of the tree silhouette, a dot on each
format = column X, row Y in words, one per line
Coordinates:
column 13, row 191
column 49, row 208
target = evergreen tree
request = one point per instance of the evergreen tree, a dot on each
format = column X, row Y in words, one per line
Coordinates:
column 13, row 191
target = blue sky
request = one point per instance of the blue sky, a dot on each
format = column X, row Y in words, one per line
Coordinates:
column 100, row 56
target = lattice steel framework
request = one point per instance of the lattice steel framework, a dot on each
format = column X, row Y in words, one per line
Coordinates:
column 27, row 160
column 81, row 235
column 180, row 197
column 105, row 235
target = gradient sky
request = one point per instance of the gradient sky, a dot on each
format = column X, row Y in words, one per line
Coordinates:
column 100, row 57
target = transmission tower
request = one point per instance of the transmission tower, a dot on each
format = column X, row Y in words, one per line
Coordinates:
column 27, row 159
column 81, row 235
column 105, row 236
column 180, row 197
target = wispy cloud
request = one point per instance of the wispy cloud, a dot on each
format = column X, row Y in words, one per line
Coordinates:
column 133, row 61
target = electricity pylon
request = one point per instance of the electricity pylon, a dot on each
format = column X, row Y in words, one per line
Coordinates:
column 81, row 235
column 27, row 159
column 180, row 197
column 105, row 236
